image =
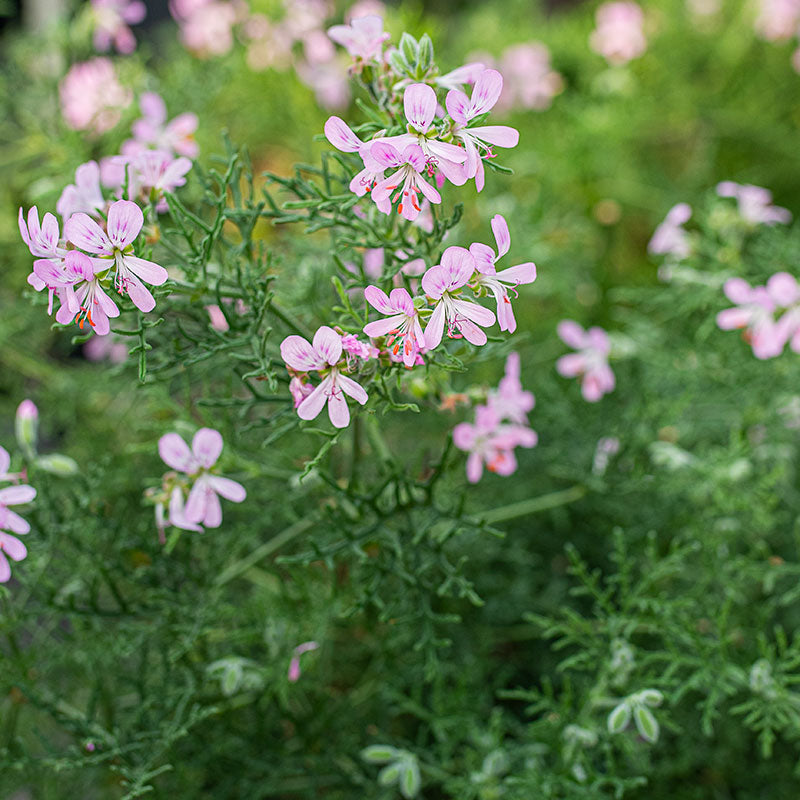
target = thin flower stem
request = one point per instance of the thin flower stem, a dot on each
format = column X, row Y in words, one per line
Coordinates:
column 534, row 505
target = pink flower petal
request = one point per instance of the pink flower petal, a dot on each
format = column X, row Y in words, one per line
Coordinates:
column 230, row 490
column 125, row 220
column 341, row 137
column 84, row 232
column 419, row 102
column 207, row 446
column 175, row 453
column 328, row 344
column 501, row 234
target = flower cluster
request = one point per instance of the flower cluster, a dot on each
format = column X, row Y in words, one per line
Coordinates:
column 590, row 363
column 769, row 315
column 755, row 203
column 111, row 19
column 206, row 26
column 619, row 35
column 80, row 278
column 500, row 426
column 10, row 522
column 92, row 97
column 189, row 496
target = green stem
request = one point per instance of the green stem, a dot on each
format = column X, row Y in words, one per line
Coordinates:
column 534, row 505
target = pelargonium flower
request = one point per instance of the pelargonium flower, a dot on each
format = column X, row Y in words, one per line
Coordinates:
column 755, row 203
column 590, row 362
column 420, row 104
column 619, row 36
column 125, row 220
column 112, row 18
column 496, row 282
column 202, row 506
column 443, row 284
column 294, row 664
column 92, row 96
column 463, row 110
column 152, row 130
column 778, row 19
column 83, row 195
column 44, row 242
column 755, row 312
column 489, row 442
column 363, row 38
column 529, row 80
column 78, row 287
column 156, row 172
column 407, row 178
column 10, row 546
column 323, row 355
column 206, row 25
column 670, row 237
column 510, row 401
column 465, row 75
column 402, row 324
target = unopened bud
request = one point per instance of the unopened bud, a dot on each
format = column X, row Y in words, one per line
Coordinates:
column 26, row 426
column 57, row 464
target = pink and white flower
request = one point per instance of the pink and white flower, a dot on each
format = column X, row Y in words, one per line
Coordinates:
column 755, row 203
column 498, row 283
column 363, row 38
column 83, row 195
column 619, row 35
column 529, row 80
column 478, row 140
column 152, row 130
column 43, row 241
column 407, row 179
column 114, row 246
column 510, row 401
column 401, row 324
column 92, row 97
column 670, row 237
column 590, row 362
column 323, row 355
column 443, row 283
column 778, row 19
column 112, row 18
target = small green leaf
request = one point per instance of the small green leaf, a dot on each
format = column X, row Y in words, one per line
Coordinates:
column 410, row 779
column 379, row 753
column 646, row 724
column 619, row 718
column 389, row 775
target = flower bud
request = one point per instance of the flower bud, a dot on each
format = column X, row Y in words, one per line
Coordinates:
column 26, row 426
column 57, row 464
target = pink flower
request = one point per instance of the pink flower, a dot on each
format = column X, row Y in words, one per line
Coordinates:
column 443, row 284
column 202, row 506
column 323, row 355
column 607, row 447
column 153, row 131
column 79, row 291
column 510, row 401
column 529, row 80
column 106, row 348
column 92, row 97
column 619, row 36
column 329, row 82
column 590, row 362
column 778, row 19
column 465, row 75
column 407, row 178
column 492, row 443
column 363, row 38
column 755, row 311
column 112, row 18
column 294, row 664
column 754, row 203
column 476, row 139
column 420, row 105
column 402, row 324
column 498, row 283
column 299, row 390
column 114, row 247
column 44, row 242
column 83, row 195
column 156, row 172
column 206, row 25
column 355, row 348
column 670, row 237
column 10, row 546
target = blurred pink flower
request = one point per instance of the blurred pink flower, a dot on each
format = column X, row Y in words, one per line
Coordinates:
column 152, row 130
column 92, row 97
column 619, row 35
column 510, row 401
column 778, row 19
column 84, row 195
column 294, row 664
column 755, row 203
column 669, row 236
column 363, row 38
column 590, row 362
column 529, row 80
column 111, row 19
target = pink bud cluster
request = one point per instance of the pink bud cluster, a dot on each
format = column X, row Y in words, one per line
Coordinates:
column 446, row 148
column 769, row 315
column 17, row 493
column 590, row 362
column 111, row 19
column 189, row 498
column 80, row 268
column 619, row 35
column 500, row 426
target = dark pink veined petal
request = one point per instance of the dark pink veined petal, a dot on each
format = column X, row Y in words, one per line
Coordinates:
column 338, row 412
column 521, row 273
column 459, row 265
column 16, row 495
column 49, row 273
column 378, row 299
column 475, row 313
column 385, row 155
column 312, row 405
column 457, row 104
column 382, row 327
column 5, row 569
column 484, row 258
column 207, row 446
column 486, row 92
column 148, row 271
column 474, row 467
column 501, row 234
column 85, row 233
column 139, row 293
column 436, row 281
column 464, row 436
column 401, row 300
column 13, row 546
column 352, row 389
column 419, row 102
column 125, row 220
column 435, row 327
column 175, row 453
column 230, row 490
column 571, row 333
column 338, row 133
column 445, row 151
column 500, row 135
column 328, row 344
column 49, row 231
column 570, row 365
column 299, row 354
column 738, row 291
column 414, row 156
